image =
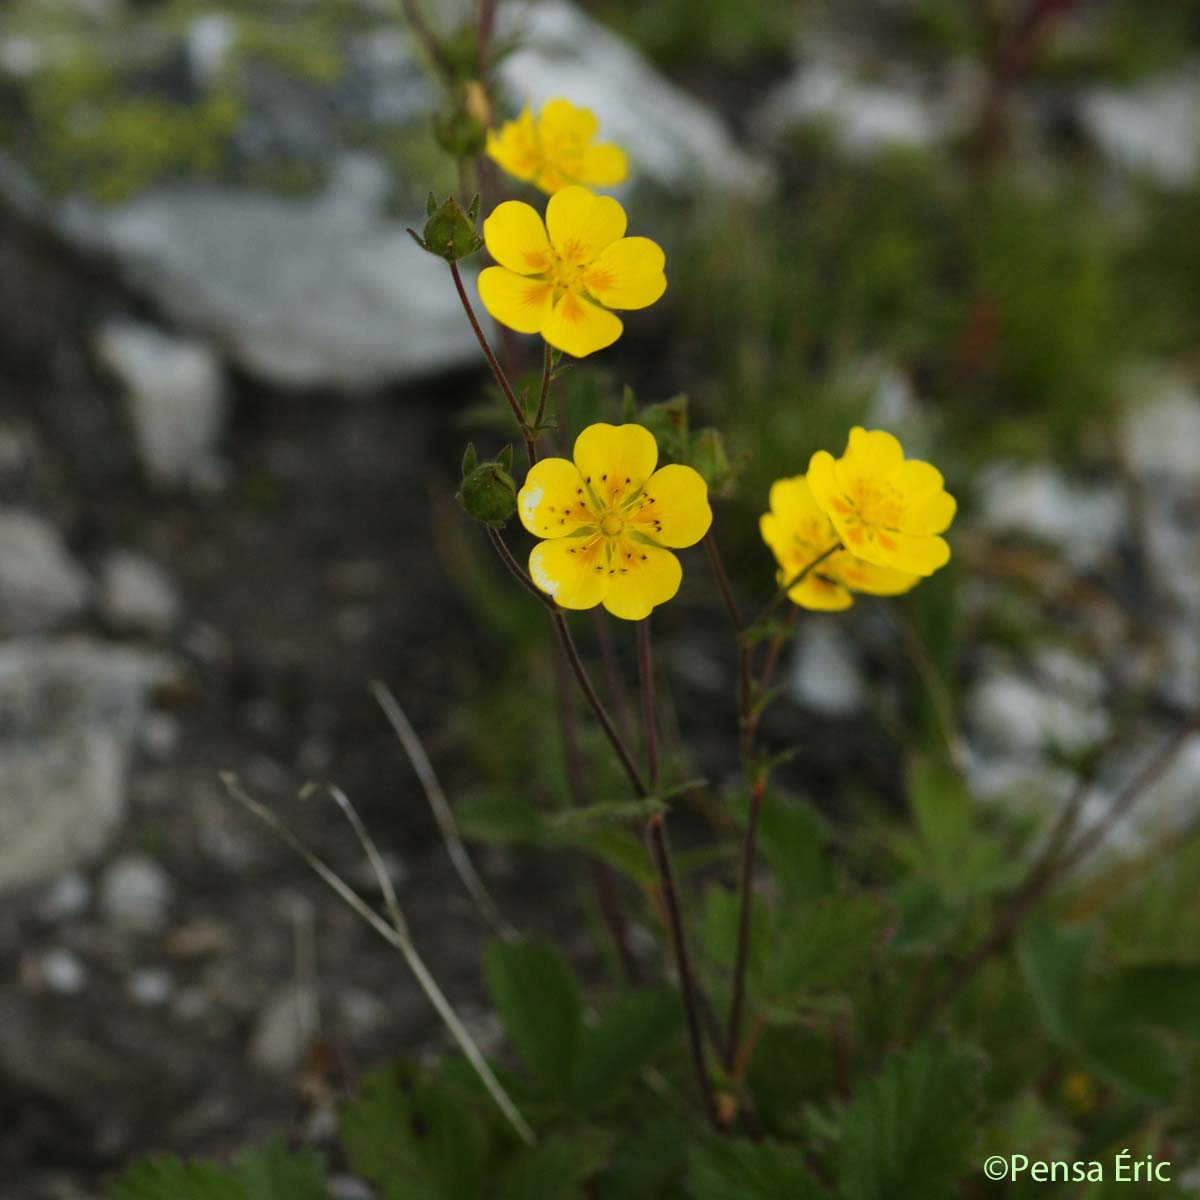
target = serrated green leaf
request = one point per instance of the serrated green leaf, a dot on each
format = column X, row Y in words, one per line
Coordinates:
column 795, row 840
column 173, row 1179
column 1053, row 959
column 729, row 1170
column 541, row 1004
column 273, row 1172
column 554, row 1170
column 719, row 927
column 824, row 946
column 910, row 1129
column 608, row 812
column 503, row 818
column 941, row 811
column 1133, row 1059
column 413, row 1139
column 628, row 1036
column 642, row 1167
column 1160, row 995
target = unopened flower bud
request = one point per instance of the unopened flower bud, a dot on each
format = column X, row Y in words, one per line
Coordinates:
column 489, row 494
column 449, row 232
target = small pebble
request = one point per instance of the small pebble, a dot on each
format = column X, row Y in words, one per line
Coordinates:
column 63, row 972
column 69, row 896
column 135, row 894
column 151, row 986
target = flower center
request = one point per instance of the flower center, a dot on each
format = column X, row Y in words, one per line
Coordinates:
column 611, row 524
column 879, row 504
column 565, row 275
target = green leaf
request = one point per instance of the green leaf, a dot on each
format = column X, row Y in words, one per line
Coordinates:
column 272, row 1172
column 719, row 928
column 1163, row 996
column 632, row 1031
column 795, row 840
column 643, row 1166
column 413, row 1139
column 825, row 945
column 1053, row 960
column 1133, row 1059
column 607, row 812
column 541, row 1004
column 173, row 1179
column 729, row 1170
column 941, row 811
column 910, row 1130
column 503, row 818
column 554, row 1170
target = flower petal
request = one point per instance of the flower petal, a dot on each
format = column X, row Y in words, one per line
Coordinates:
column 552, row 502
column 604, row 165
column 862, row 576
column 582, row 224
column 572, row 570
column 514, row 146
column 803, row 526
column 521, row 304
column 826, row 488
column 628, row 274
column 915, row 553
column 874, row 450
column 674, row 508
column 644, row 577
column 578, row 327
column 516, row 238
column 615, row 460
column 562, row 121
column 932, row 515
column 819, row 593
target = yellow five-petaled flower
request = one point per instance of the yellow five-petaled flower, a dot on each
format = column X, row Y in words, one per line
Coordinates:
column 886, row 509
column 608, row 519
column 561, row 278
column 557, row 148
column 813, row 566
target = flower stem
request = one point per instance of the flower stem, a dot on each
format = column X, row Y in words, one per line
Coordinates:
column 547, row 376
column 745, row 895
column 646, row 675
column 660, row 855
column 497, row 370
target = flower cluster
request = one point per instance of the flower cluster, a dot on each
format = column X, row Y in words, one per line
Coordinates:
column 869, row 521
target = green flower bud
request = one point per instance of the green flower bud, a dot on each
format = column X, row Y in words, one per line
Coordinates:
column 711, row 460
column 488, row 492
column 449, row 232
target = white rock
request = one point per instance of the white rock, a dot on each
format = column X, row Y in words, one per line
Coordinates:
column 62, row 972
column 210, row 38
column 1059, row 706
column 671, row 139
column 160, row 736
column 135, row 894
column 151, row 987
column 136, row 596
column 1084, row 522
column 175, row 393
column 1162, row 438
column 68, row 897
column 1152, row 129
column 41, row 585
column 864, row 117
column 284, row 1029
column 826, row 676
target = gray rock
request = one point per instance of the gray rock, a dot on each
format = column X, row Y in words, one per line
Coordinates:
column 283, row 1030
column 330, row 291
column 175, row 394
column 672, row 141
column 1152, row 129
column 1161, row 437
column 135, row 894
column 41, row 585
column 150, row 987
column 136, row 596
column 69, row 896
column 826, row 675
column 62, row 972
column 69, row 711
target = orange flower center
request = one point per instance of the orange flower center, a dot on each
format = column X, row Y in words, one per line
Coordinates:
column 611, row 524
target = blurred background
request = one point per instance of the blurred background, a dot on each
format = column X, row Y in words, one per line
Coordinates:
column 235, row 397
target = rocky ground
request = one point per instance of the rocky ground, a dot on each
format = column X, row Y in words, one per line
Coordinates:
column 211, row 539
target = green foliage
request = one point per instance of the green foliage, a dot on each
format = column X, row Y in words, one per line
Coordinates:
column 413, row 1138
column 271, row 1172
column 725, row 1170
column 910, row 1130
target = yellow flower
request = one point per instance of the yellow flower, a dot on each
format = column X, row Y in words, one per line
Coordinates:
column 557, row 149
column 886, row 509
column 799, row 533
column 607, row 519
column 560, row 279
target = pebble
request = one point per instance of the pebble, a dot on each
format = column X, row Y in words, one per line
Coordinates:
column 135, row 894
column 151, row 986
column 136, row 596
column 62, row 972
column 69, row 896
